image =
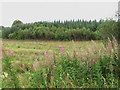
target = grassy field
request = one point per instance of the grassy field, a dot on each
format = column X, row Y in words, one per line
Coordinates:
column 58, row 64
column 27, row 50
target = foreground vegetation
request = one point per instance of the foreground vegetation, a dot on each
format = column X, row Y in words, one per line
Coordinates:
column 56, row 64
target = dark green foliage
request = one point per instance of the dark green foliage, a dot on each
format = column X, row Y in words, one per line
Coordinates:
column 99, row 75
column 38, row 79
column 57, row 30
column 109, row 28
column 17, row 22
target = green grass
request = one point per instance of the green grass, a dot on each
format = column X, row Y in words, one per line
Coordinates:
column 82, row 64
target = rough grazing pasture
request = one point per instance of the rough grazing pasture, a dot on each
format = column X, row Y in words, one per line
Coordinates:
column 43, row 64
column 27, row 50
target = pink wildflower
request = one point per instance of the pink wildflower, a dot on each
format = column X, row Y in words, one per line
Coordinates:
column 1, row 57
column 23, row 66
column 60, row 46
column 1, row 76
column 62, row 50
column 0, row 52
column 38, row 51
column 10, row 52
column 45, row 53
column 88, row 49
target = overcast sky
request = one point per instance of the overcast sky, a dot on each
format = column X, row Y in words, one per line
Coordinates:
column 48, row 11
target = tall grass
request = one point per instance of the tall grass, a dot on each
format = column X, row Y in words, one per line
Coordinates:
column 94, row 68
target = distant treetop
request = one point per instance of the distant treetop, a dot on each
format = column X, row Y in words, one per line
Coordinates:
column 16, row 22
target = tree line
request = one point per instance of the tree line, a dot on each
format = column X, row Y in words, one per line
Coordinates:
column 62, row 30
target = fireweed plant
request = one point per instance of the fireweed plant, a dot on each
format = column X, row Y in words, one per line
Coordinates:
column 93, row 67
